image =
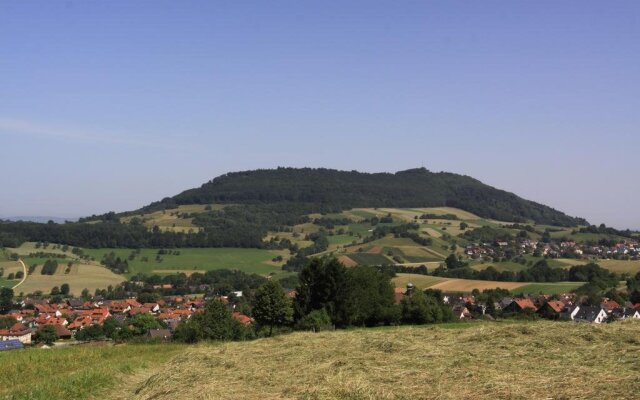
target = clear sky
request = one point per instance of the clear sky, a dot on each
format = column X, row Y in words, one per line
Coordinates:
column 109, row 105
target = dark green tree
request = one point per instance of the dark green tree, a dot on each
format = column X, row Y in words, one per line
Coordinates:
column 271, row 306
column 325, row 284
column 47, row 335
column 216, row 321
column 6, row 300
column 371, row 296
column 7, row 322
column 420, row 309
column 64, row 289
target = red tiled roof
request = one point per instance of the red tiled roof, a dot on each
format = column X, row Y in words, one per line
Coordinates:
column 243, row 319
column 556, row 305
column 610, row 304
column 525, row 303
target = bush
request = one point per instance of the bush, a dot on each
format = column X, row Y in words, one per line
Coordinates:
column 315, row 321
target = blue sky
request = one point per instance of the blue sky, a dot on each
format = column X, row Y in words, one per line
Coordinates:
column 111, row 105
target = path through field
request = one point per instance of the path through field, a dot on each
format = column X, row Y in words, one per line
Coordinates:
column 24, row 277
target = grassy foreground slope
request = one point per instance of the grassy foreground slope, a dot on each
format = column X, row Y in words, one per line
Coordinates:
column 519, row 360
column 78, row 372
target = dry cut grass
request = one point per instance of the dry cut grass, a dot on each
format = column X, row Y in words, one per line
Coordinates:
column 81, row 276
column 487, row 361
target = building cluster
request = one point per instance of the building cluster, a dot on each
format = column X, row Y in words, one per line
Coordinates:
column 627, row 250
column 562, row 307
column 73, row 315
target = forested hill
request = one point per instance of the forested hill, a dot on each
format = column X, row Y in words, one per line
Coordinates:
column 327, row 189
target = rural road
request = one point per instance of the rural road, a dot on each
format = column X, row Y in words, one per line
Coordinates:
column 24, row 277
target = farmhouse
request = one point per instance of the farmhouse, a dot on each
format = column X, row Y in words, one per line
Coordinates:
column 17, row 332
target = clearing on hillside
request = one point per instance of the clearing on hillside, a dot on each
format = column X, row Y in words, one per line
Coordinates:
column 480, row 362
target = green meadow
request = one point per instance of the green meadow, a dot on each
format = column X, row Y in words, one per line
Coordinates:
column 547, row 288
column 256, row 261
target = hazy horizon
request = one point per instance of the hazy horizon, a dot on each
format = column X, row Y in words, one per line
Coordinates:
column 112, row 105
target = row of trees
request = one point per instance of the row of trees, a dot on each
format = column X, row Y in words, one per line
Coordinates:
column 539, row 272
column 328, row 296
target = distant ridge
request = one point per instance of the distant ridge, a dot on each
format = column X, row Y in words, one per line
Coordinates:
column 39, row 219
column 329, row 189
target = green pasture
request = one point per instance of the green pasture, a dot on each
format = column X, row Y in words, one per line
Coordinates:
column 547, row 288
column 196, row 259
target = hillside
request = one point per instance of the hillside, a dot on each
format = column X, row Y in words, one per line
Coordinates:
column 473, row 360
column 327, row 189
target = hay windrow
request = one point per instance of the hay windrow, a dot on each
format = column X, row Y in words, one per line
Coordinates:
column 518, row 360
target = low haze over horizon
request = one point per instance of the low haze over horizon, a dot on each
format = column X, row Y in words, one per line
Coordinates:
column 112, row 105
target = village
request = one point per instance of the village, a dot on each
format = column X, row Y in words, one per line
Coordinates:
column 507, row 249
column 69, row 322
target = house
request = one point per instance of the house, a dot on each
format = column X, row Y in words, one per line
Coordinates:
column 609, row 305
column 551, row 309
column 569, row 312
column 81, row 322
column 61, row 332
column 624, row 313
column 153, row 307
column 163, row 334
column 594, row 315
column 75, row 303
column 461, row 312
column 520, row 305
column 17, row 332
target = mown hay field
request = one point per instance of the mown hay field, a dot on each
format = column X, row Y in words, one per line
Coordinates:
column 486, row 361
column 467, row 285
column 80, row 276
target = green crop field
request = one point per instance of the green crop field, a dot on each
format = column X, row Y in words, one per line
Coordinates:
column 195, row 259
column 500, row 266
column 7, row 283
column 547, row 288
column 340, row 239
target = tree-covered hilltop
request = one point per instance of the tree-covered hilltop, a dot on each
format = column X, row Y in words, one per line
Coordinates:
column 257, row 202
column 329, row 190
